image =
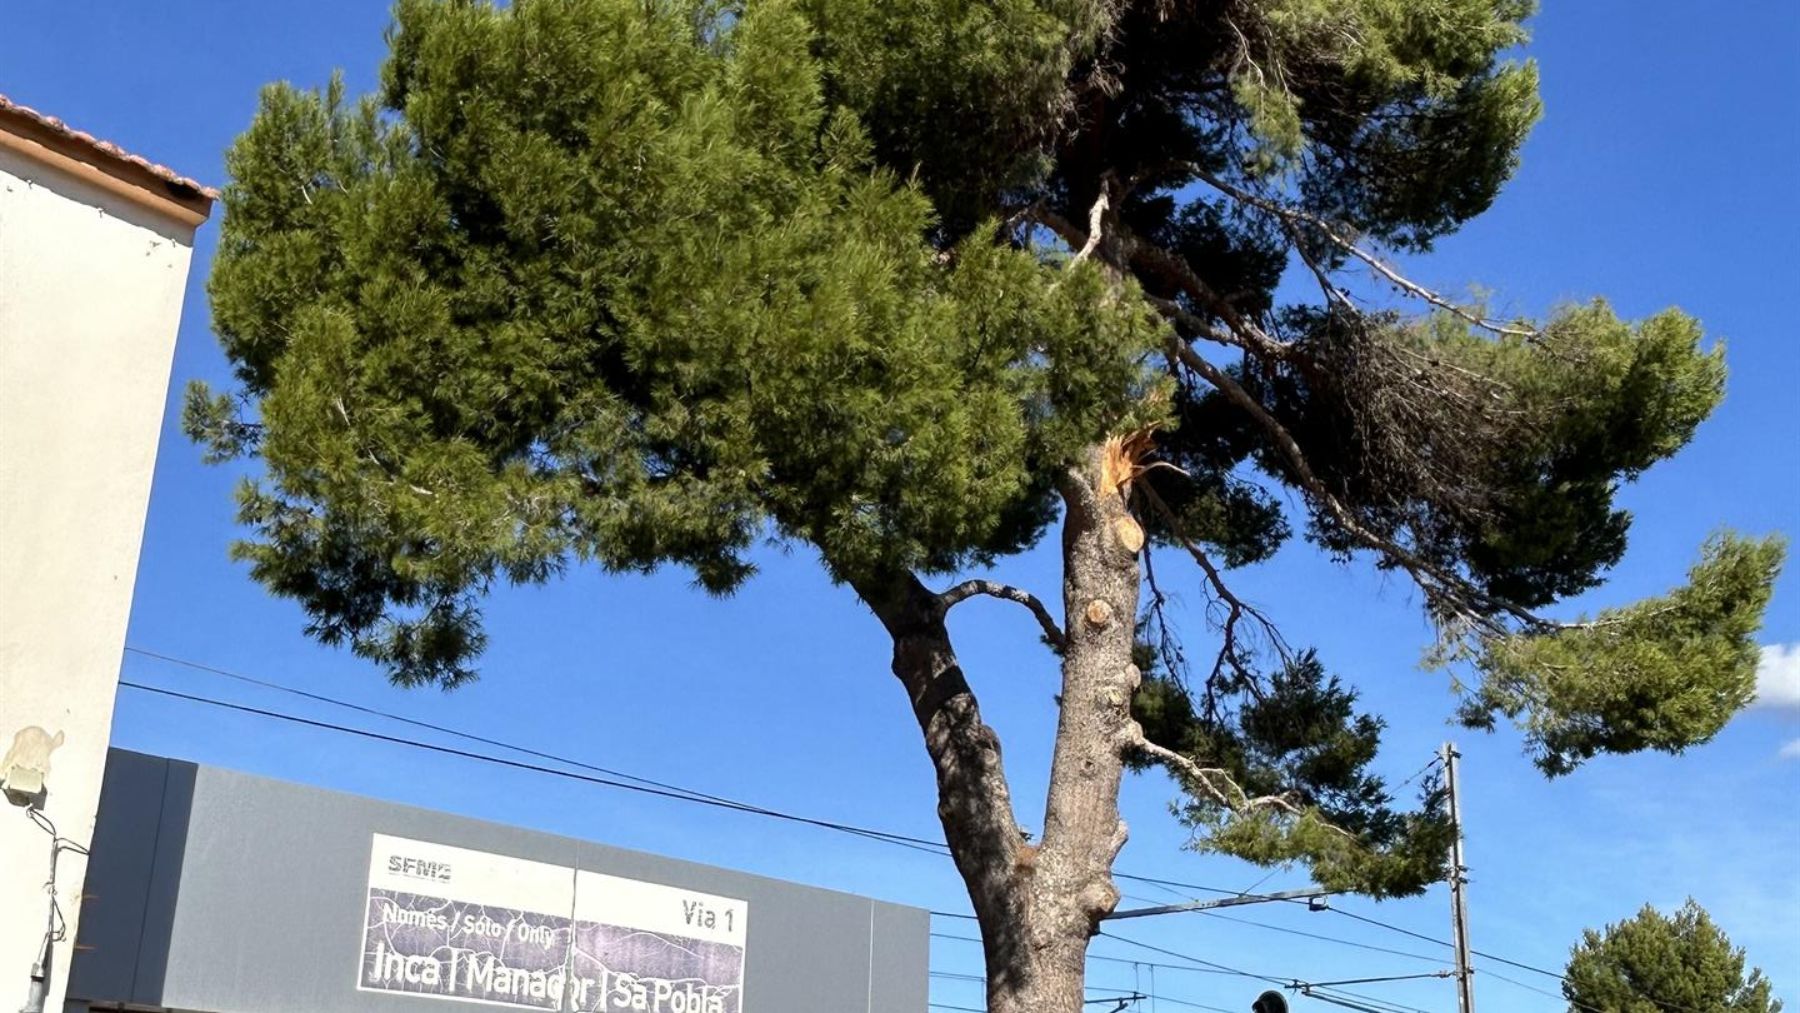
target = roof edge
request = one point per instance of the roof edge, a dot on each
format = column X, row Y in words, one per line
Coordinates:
column 156, row 187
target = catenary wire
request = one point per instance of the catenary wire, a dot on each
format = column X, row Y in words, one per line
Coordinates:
column 1293, row 983
column 632, row 782
column 611, row 780
column 1172, row 885
column 1322, row 938
column 1497, row 959
column 1123, row 992
column 1103, row 957
column 877, row 835
column 1444, row 942
column 662, row 788
column 645, row 789
column 528, row 751
column 659, row 792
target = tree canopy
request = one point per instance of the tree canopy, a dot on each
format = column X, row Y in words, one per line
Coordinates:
column 916, row 282
column 629, row 283
column 1656, row 963
column 622, row 288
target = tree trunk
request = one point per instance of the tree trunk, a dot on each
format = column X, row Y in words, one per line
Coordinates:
column 1038, row 906
column 974, row 802
column 1072, row 888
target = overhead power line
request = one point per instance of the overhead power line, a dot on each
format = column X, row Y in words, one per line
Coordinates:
column 1324, row 938
column 1214, row 965
column 609, row 782
column 1138, row 994
column 644, row 786
column 609, row 776
column 1445, row 942
column 1105, row 958
column 601, row 776
column 662, row 787
column 627, row 781
column 1497, row 959
column 1321, row 991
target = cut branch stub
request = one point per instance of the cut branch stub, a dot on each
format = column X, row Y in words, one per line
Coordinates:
column 1099, row 614
column 1129, row 533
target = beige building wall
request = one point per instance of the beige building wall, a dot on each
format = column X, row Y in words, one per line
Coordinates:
column 91, row 283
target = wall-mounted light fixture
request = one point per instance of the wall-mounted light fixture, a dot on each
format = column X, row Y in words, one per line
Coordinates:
column 26, row 768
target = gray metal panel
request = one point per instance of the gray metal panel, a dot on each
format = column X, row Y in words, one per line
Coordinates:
column 118, row 875
column 273, row 882
column 272, row 902
column 900, row 942
column 163, row 893
column 133, row 878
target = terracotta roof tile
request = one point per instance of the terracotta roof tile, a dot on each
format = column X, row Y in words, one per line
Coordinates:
column 107, row 150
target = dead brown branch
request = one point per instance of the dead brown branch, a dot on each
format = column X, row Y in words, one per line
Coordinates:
column 1448, row 592
column 1236, row 608
column 1290, row 216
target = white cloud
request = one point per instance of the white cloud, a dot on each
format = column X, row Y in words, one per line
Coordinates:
column 1791, row 751
column 1778, row 683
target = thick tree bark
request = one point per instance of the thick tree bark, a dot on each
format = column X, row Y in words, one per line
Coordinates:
column 1038, row 905
column 1073, row 886
column 974, row 801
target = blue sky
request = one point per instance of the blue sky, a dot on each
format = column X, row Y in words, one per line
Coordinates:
column 1664, row 173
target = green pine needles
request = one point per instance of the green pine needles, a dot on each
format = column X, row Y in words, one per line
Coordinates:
column 633, row 283
column 587, row 284
column 1656, row 963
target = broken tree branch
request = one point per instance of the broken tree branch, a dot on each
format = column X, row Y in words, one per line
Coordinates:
column 1216, row 782
column 1096, row 222
column 1470, row 603
column 1127, row 253
column 1236, row 608
column 1290, row 215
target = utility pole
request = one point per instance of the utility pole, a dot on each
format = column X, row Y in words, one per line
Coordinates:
column 1459, row 882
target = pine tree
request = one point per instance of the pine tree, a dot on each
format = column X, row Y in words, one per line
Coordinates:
column 636, row 283
column 1657, row 964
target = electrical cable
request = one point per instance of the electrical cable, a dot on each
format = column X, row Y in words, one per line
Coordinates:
column 1219, row 968
column 1272, row 928
column 1434, row 761
column 1289, row 983
column 1322, row 938
column 1498, row 959
column 56, row 925
column 1563, row 998
column 1387, row 977
column 1346, row 1003
column 1539, row 991
column 900, row 839
column 528, row 751
column 1442, row 942
column 663, row 788
column 657, row 789
column 1103, row 957
column 1393, row 928
column 614, row 782
column 1135, row 992
column 625, row 780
